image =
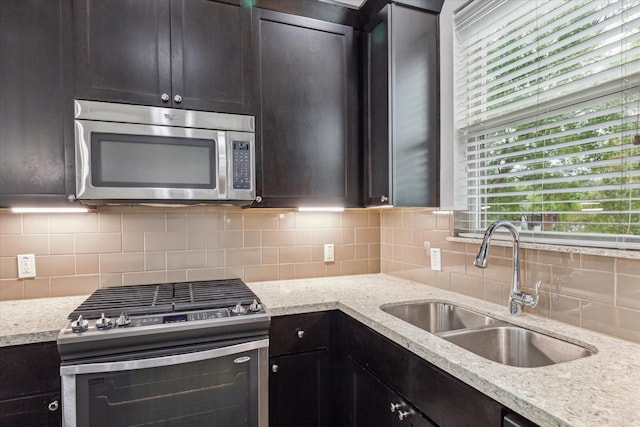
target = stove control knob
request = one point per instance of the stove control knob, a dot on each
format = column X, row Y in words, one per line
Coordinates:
column 255, row 306
column 80, row 325
column 104, row 323
column 123, row 320
column 238, row 309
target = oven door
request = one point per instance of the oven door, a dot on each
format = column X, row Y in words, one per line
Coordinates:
column 224, row 386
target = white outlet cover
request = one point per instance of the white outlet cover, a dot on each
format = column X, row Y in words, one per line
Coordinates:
column 329, row 252
column 436, row 259
column 26, row 266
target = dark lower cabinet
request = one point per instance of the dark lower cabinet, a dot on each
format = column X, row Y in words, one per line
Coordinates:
column 367, row 380
column 30, row 385
column 307, row 112
column 36, row 108
column 376, row 405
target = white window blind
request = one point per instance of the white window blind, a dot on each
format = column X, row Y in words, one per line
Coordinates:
column 547, row 102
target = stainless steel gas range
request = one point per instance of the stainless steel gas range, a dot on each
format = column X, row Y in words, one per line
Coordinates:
column 171, row 354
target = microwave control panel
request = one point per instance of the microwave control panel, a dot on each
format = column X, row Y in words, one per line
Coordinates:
column 241, row 165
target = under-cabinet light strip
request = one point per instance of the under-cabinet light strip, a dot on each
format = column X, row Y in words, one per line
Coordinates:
column 49, row 210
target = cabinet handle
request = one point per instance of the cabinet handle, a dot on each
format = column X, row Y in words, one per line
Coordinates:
column 300, row 333
column 177, row 99
column 53, row 406
column 403, row 414
column 164, row 97
column 384, row 199
column 275, row 368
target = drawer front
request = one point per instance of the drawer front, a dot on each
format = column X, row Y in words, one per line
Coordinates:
column 298, row 333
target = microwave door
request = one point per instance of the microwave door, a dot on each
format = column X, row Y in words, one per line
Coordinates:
column 120, row 161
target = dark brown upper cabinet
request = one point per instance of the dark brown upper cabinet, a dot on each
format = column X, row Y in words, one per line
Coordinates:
column 402, row 153
column 191, row 54
column 306, row 112
column 36, row 112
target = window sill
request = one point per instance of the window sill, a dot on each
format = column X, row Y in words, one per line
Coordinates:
column 507, row 242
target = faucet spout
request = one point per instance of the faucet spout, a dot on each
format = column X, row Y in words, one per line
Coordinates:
column 518, row 298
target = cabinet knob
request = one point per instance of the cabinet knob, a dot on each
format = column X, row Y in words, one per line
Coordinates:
column 275, row 368
column 384, row 199
column 164, row 97
column 53, row 406
column 300, row 333
column 177, row 99
column 394, row 406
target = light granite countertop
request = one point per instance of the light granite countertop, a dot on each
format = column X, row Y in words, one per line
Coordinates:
column 600, row 390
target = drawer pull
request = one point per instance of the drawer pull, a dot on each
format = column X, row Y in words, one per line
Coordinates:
column 300, row 333
column 275, row 368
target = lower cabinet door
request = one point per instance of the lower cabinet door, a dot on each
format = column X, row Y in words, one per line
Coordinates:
column 376, row 405
column 40, row 410
column 299, row 390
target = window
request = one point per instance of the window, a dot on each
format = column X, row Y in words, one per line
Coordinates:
column 547, row 104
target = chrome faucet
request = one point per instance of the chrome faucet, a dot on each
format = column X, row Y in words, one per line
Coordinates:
column 518, row 298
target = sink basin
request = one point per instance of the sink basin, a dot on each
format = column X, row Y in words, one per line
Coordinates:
column 436, row 317
column 515, row 346
column 487, row 337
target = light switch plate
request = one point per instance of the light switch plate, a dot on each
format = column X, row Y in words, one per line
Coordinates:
column 436, row 259
column 26, row 266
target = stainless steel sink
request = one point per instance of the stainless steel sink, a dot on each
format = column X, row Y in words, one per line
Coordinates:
column 438, row 317
column 515, row 346
column 486, row 336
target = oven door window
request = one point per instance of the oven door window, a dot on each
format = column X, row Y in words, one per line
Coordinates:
column 141, row 161
column 219, row 391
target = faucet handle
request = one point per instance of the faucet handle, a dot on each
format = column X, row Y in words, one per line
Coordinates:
column 534, row 300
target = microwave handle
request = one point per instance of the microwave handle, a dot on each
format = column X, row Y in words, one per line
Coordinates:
column 222, row 164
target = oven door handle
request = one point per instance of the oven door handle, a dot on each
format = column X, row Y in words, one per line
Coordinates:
column 176, row 359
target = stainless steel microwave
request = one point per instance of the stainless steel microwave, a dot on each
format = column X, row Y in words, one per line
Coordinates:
column 138, row 154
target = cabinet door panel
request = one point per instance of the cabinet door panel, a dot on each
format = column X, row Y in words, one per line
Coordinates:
column 36, row 110
column 122, row 50
column 307, row 112
column 211, row 55
column 299, row 390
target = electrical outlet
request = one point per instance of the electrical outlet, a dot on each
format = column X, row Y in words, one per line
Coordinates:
column 329, row 252
column 436, row 259
column 26, row 266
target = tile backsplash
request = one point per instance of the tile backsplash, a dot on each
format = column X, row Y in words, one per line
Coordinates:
column 600, row 293
column 115, row 246
column 78, row 253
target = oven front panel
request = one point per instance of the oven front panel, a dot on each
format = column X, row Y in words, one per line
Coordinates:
column 224, row 386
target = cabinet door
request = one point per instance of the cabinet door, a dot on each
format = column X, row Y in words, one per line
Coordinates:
column 299, row 390
column 211, row 55
column 306, row 113
column 41, row 410
column 376, row 405
column 122, row 50
column 36, row 109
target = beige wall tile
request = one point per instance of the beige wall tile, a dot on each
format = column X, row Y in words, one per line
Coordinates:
column 176, row 276
column 216, row 239
column 215, row 258
column 584, row 284
column 206, row 274
column 13, row 245
column 133, row 242
column 186, row 260
column 132, row 223
column 98, row 243
column 261, row 220
column 467, row 285
column 250, row 256
column 87, row 264
column 62, row 244
column 628, row 291
column 591, row 262
column 317, row 253
column 275, row 238
column 286, row 220
column 286, row 271
column 565, row 309
column 345, row 252
column 318, row 220
column 320, row 237
column 611, row 320
column 169, row 241
column 234, row 221
column 270, row 256
column 261, row 273
column 121, row 263
column 233, row 239
column 37, row 288
column 155, row 261
column 10, row 224
column 110, row 223
column 73, row 223
column 628, row 266
column 74, row 285
column 111, row 280
column 355, row 266
column 177, row 223
column 144, row 278
column 253, row 239
column 355, row 219
column 367, row 235
column 196, row 240
column 35, row 224
column 311, row 269
column 200, row 222
column 61, row 265
column 302, row 237
column 9, row 268
column 497, row 292
column 11, row 289
column 294, row 254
